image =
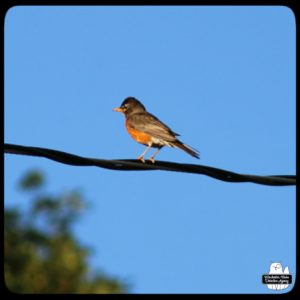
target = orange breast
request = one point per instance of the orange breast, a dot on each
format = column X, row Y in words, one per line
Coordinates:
column 137, row 135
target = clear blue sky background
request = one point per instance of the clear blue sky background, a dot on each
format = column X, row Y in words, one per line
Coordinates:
column 223, row 77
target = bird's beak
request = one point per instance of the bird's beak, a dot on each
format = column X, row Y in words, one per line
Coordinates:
column 118, row 109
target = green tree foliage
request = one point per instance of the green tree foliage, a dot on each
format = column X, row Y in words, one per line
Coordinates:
column 42, row 254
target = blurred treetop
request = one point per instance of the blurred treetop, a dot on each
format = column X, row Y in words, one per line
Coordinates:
column 41, row 254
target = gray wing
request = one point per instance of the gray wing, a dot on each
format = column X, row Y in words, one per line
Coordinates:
column 149, row 124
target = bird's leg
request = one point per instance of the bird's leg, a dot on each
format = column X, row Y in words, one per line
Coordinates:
column 141, row 157
column 152, row 157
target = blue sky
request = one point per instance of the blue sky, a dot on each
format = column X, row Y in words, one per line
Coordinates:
column 222, row 77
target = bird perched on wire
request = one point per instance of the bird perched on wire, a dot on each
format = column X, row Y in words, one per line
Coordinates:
column 148, row 130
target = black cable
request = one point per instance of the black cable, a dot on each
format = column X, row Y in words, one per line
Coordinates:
column 135, row 165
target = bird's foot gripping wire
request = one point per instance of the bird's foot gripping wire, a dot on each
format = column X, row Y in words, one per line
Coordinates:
column 152, row 159
column 154, row 154
column 141, row 158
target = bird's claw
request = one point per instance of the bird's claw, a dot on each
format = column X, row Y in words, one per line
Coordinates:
column 152, row 160
column 141, row 159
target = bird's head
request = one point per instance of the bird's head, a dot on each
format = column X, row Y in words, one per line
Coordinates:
column 130, row 105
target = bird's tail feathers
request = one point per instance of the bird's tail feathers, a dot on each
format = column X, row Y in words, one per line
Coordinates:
column 188, row 149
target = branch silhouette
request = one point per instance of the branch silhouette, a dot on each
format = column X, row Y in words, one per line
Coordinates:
column 134, row 165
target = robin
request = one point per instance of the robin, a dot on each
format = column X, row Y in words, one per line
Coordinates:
column 148, row 130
